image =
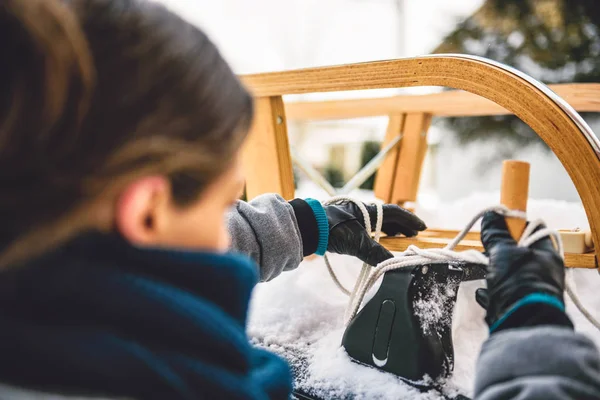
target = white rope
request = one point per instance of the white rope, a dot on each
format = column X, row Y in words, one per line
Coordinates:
column 414, row 256
column 570, row 288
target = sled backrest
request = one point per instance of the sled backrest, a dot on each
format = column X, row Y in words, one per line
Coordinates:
column 397, row 180
column 267, row 156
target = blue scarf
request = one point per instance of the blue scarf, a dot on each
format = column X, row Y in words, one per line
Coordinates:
column 100, row 317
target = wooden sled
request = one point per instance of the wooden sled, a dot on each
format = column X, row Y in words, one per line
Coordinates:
column 485, row 88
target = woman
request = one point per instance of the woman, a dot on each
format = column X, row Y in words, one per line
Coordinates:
column 120, row 131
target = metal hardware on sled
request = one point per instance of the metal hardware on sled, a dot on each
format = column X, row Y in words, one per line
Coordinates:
column 389, row 333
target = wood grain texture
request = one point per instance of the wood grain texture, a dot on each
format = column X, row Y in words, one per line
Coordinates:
column 410, row 159
column 583, row 97
column 448, row 234
column 266, row 153
column 487, row 80
column 385, row 178
column 514, row 192
column 587, row 260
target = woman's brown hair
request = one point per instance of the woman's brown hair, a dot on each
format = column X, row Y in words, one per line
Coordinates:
column 96, row 93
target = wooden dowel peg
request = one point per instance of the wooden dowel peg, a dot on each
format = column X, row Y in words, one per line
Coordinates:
column 589, row 243
column 514, row 192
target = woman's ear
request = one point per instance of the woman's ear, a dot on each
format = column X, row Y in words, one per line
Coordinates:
column 141, row 210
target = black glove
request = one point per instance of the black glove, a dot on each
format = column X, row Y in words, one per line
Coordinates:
column 517, row 272
column 347, row 233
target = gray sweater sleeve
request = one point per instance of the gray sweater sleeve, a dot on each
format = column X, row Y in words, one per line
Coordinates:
column 266, row 230
column 544, row 362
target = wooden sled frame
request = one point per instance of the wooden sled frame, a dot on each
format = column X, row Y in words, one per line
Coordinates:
column 267, row 158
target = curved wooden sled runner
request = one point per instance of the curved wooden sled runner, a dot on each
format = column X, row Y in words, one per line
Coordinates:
column 267, row 156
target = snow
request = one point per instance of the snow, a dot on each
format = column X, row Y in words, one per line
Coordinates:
column 431, row 308
column 303, row 310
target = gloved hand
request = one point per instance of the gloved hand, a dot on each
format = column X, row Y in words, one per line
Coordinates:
column 348, row 234
column 520, row 277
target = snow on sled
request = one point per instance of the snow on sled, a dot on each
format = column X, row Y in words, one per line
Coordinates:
column 398, row 325
column 399, row 345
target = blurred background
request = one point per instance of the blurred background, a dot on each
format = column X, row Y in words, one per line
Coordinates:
column 555, row 41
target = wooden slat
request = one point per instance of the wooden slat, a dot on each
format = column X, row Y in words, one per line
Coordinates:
column 448, row 234
column 385, row 178
column 410, row 159
column 584, row 97
column 573, row 241
column 402, row 243
column 266, row 153
column 587, row 260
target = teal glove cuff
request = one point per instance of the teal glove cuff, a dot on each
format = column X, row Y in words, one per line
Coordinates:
column 322, row 224
column 529, row 299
